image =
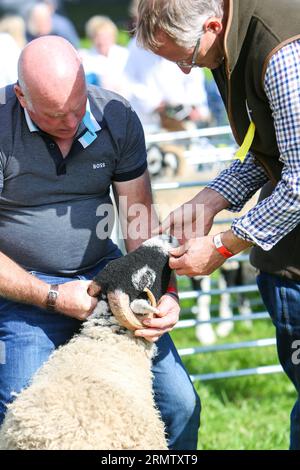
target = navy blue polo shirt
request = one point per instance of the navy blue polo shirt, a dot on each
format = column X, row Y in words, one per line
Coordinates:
column 51, row 207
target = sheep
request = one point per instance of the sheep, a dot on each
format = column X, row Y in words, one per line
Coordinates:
column 95, row 392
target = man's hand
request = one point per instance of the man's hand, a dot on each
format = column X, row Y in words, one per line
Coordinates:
column 187, row 221
column 197, row 257
column 167, row 318
column 74, row 300
column 194, row 218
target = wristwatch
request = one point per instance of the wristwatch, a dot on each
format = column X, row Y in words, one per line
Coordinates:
column 52, row 297
column 221, row 248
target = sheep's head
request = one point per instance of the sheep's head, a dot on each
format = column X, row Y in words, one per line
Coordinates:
column 133, row 283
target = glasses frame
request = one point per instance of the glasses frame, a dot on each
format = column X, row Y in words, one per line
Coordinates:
column 186, row 65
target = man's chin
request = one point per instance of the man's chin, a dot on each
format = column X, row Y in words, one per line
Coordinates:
column 65, row 134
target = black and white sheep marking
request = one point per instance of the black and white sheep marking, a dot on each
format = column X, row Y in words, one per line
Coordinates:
column 96, row 391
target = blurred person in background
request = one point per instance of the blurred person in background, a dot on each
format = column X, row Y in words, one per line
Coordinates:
column 39, row 21
column 106, row 59
column 42, row 20
column 159, row 92
column 62, row 25
column 15, row 26
column 12, row 40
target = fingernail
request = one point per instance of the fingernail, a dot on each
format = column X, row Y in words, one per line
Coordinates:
column 147, row 322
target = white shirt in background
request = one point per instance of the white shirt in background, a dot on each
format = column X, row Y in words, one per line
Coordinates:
column 9, row 56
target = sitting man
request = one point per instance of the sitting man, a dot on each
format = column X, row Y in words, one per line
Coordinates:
column 61, row 148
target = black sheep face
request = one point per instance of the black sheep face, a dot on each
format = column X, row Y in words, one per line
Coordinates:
column 131, row 277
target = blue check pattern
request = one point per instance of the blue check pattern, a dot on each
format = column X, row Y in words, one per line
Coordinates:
column 270, row 220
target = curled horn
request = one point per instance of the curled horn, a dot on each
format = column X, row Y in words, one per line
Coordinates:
column 119, row 304
column 150, row 297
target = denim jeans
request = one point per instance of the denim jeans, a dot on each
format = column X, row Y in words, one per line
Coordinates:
column 282, row 299
column 29, row 335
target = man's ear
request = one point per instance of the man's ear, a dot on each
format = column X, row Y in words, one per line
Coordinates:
column 214, row 25
column 20, row 95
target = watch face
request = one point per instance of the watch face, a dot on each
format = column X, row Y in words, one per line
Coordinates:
column 52, row 296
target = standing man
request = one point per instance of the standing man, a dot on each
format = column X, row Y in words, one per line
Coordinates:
column 253, row 50
column 62, row 145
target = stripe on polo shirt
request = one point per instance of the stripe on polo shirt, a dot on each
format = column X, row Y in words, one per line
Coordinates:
column 92, row 127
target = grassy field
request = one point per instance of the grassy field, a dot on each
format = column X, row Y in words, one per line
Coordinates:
column 240, row 413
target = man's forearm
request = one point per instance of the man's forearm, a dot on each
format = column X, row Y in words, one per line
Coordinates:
column 18, row 285
column 136, row 211
column 212, row 203
column 212, row 200
column 234, row 244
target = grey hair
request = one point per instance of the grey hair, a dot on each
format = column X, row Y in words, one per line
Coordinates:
column 182, row 20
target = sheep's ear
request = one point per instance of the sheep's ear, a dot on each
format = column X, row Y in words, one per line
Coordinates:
column 94, row 289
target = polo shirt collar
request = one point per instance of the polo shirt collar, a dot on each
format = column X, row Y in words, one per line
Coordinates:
column 91, row 125
column 89, row 122
column 31, row 126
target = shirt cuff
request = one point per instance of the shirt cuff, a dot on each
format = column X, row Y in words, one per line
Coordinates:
column 130, row 175
column 231, row 189
column 242, row 230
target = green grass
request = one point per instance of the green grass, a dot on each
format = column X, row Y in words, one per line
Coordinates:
column 240, row 413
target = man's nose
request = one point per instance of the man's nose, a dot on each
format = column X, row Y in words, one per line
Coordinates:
column 71, row 121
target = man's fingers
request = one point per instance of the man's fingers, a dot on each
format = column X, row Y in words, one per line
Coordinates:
column 179, row 251
column 178, row 263
column 183, row 272
column 94, row 289
column 161, row 323
column 151, row 334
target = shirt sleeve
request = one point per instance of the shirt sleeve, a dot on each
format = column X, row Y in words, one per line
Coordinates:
column 274, row 217
column 239, row 182
column 133, row 161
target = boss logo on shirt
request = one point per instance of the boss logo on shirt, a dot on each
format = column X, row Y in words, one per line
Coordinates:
column 96, row 166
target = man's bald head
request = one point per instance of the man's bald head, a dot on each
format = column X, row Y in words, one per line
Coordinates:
column 50, row 68
column 52, row 86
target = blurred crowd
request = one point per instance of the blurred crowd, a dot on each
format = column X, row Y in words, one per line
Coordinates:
column 160, row 93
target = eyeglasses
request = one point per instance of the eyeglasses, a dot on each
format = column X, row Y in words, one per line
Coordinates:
column 186, row 65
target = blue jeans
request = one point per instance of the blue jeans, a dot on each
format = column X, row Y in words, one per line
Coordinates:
column 282, row 299
column 30, row 334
